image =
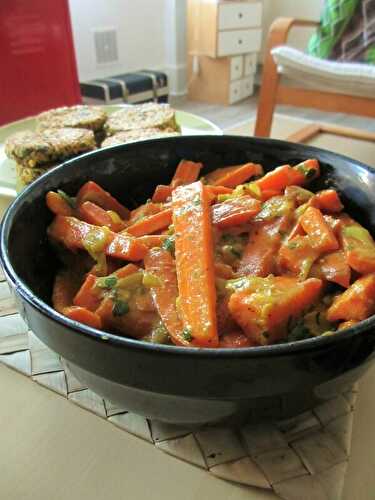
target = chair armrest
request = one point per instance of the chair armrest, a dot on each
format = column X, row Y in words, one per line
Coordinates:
column 279, row 30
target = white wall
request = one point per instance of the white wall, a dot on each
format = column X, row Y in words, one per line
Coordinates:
column 146, row 31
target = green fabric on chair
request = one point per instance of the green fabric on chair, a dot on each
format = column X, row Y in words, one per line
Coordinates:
column 334, row 19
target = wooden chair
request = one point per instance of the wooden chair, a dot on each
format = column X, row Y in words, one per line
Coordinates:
column 274, row 92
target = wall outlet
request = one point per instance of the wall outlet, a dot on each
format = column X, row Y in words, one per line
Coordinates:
column 105, row 41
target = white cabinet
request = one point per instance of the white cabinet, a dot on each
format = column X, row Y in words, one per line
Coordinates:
column 238, row 41
column 236, row 67
column 239, row 15
column 235, row 92
column 250, row 63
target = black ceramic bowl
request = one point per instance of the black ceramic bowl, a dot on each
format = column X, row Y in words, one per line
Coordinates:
column 176, row 384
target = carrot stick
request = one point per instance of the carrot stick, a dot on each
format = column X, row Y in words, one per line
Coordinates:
column 359, row 246
column 309, row 169
column 233, row 340
column 161, row 193
column 73, row 234
column 151, row 224
column 186, row 172
column 88, row 296
column 333, row 267
column 297, row 255
column 144, row 210
column 160, row 263
column 357, row 302
column 235, row 211
column 213, row 176
column 93, row 214
column 223, row 270
column 328, row 201
column 91, row 191
column 153, row 240
column 264, row 309
column 231, row 178
column 276, row 180
column 195, row 264
column 264, row 242
column 83, row 315
column 322, row 236
column 64, row 289
column 57, row 204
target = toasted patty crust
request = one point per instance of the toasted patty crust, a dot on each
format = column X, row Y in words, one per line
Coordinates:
column 26, row 175
column 33, row 149
column 136, row 135
column 82, row 116
column 142, row 116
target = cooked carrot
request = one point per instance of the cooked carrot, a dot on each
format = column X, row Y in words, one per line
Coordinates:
column 64, row 289
column 357, row 302
column 195, row 264
column 264, row 242
column 235, row 211
column 232, row 178
column 234, row 340
column 347, row 324
column 186, row 172
column 276, row 180
column 151, row 224
column 328, row 201
column 89, row 295
column 91, row 191
column 223, row 270
column 79, row 235
column 160, row 263
column 265, row 307
column 333, row 267
column 359, row 246
column 309, row 169
column 297, row 255
column 266, row 194
column 322, row 236
column 144, row 210
column 126, row 270
column 153, row 240
column 93, row 214
column 219, row 189
column 162, row 193
column 297, row 230
column 84, row 316
column 56, row 203
column 213, row 176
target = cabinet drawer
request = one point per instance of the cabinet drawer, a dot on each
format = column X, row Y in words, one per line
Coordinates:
column 236, row 67
column 238, row 42
column 239, row 15
column 235, row 92
column 247, row 87
column 250, row 64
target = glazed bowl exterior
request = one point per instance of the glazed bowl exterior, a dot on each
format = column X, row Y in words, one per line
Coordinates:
column 169, row 383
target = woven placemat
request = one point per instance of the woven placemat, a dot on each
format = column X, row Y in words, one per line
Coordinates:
column 303, row 457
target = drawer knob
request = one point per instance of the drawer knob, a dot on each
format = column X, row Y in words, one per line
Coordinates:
column 240, row 41
column 240, row 15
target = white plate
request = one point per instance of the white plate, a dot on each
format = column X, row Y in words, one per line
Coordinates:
column 190, row 125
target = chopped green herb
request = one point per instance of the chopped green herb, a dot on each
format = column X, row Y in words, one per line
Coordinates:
column 107, row 282
column 70, row 201
column 197, row 200
column 168, row 244
column 120, row 307
column 186, row 334
column 299, row 332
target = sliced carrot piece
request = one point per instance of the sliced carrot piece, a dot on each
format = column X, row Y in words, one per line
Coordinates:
column 93, row 214
column 219, row 189
column 359, row 246
column 333, row 267
column 57, row 204
column 309, row 169
column 160, row 263
column 186, row 172
column 153, row 240
column 213, row 176
column 266, row 194
column 232, row 178
column 276, row 180
column 234, row 340
column 322, row 236
column 144, row 210
column 91, row 191
column 328, row 201
column 357, row 302
column 264, row 242
column 151, row 224
column 264, row 308
column 64, row 289
column 84, row 316
column 89, row 295
column 235, row 211
column 297, row 255
column 162, row 193
column 223, row 270
column 73, row 233
column 195, row 264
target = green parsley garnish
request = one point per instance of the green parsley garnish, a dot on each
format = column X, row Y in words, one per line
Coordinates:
column 186, row 334
column 120, row 307
column 70, row 201
column 168, row 244
column 107, row 282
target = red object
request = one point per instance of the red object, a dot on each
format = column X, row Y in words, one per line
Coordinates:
column 38, row 64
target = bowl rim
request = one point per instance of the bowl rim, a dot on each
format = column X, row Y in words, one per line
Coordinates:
column 42, row 307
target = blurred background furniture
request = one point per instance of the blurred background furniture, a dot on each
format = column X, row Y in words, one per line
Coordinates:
column 37, row 58
column 224, row 39
column 312, row 82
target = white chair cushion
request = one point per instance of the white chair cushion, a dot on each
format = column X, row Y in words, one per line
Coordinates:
column 338, row 77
